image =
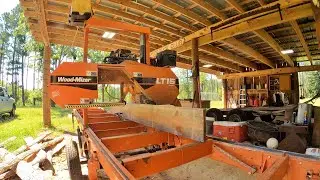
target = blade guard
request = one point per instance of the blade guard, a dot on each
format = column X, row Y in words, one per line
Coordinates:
column 74, row 83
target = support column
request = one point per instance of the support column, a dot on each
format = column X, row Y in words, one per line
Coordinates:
column 122, row 95
column 93, row 166
column 45, row 87
column 295, row 95
column 225, row 93
column 85, row 45
column 195, row 73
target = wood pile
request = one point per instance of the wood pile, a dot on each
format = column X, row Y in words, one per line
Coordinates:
column 32, row 160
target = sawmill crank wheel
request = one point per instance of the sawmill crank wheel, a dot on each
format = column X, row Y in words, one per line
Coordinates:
column 73, row 160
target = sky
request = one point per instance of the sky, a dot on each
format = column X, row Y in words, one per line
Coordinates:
column 7, row 5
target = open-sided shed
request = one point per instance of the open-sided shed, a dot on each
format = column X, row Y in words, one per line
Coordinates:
column 233, row 36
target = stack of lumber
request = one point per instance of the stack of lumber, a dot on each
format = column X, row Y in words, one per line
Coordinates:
column 32, row 160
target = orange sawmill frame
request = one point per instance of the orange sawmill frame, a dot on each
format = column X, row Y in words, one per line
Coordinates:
column 105, row 144
column 106, row 134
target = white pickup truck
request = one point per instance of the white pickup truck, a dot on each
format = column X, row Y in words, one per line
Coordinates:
column 7, row 103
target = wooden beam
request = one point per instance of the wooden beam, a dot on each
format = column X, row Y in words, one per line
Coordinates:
column 287, row 70
column 234, row 4
column 248, row 50
column 264, row 35
column 195, row 74
column 209, row 8
column 267, row 38
column 297, row 29
column 135, row 141
column 179, row 9
column 208, row 59
column 226, row 55
column 46, row 105
column 316, row 12
column 154, row 13
column 147, row 164
column 261, row 2
column 271, row 19
column 42, row 22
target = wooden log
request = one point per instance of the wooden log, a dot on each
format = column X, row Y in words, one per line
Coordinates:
column 55, row 150
column 8, row 165
column 41, row 156
column 35, row 141
column 2, row 144
column 5, row 155
column 26, row 171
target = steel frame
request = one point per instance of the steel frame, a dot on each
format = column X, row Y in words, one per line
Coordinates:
column 105, row 145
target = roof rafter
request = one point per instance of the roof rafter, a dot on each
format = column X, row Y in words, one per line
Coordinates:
column 243, row 27
column 297, row 29
column 252, row 52
column 264, row 35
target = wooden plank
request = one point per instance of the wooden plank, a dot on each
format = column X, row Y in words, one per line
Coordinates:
column 287, row 70
column 185, row 122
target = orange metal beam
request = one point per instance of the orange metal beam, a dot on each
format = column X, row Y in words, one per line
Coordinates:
column 120, row 131
column 277, row 171
column 102, row 119
column 136, row 141
column 147, row 164
column 106, row 23
column 268, row 163
column 112, row 125
column 110, row 164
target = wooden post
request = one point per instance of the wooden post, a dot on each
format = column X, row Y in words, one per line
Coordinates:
column 295, row 95
column 45, row 87
column 122, row 95
column 225, row 93
column 85, row 45
column 195, row 73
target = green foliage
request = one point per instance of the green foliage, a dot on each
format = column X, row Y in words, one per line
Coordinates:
column 309, row 82
column 211, row 87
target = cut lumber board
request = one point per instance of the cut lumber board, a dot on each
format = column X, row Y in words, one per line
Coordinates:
column 181, row 121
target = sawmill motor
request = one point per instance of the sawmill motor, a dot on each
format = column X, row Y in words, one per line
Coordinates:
column 120, row 55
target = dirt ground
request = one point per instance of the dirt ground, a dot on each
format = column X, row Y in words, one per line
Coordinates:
column 203, row 169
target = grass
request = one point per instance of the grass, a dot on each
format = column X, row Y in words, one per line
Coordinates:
column 28, row 122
